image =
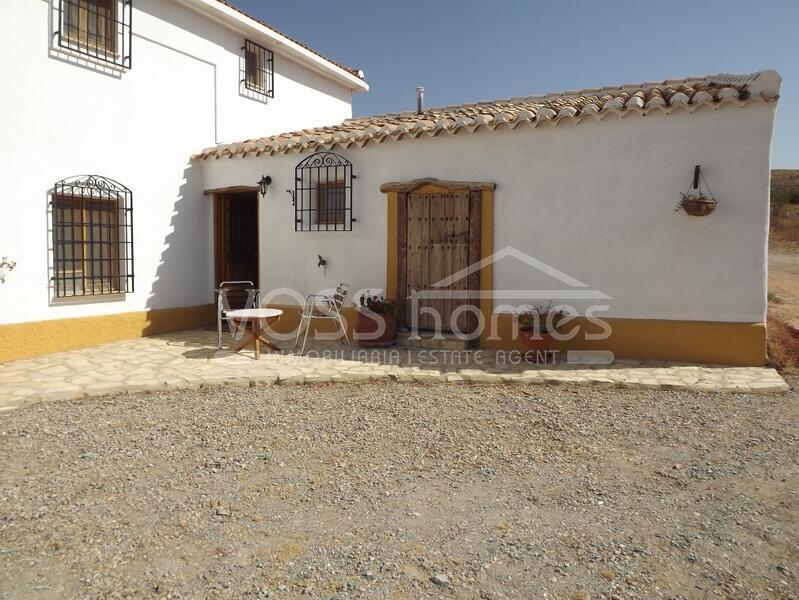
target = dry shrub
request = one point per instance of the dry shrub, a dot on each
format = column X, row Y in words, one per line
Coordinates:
column 785, row 222
column 783, row 346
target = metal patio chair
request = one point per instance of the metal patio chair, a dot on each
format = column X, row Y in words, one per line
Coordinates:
column 224, row 292
column 319, row 306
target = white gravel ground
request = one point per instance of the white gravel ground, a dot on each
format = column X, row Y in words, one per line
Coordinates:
column 402, row 491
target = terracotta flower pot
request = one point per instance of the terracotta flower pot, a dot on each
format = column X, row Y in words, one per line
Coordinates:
column 536, row 341
column 367, row 326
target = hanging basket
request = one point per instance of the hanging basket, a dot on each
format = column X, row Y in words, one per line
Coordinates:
column 697, row 206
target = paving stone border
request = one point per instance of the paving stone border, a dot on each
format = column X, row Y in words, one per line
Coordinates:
column 190, row 360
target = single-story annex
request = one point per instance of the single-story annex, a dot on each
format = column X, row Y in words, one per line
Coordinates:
column 572, row 198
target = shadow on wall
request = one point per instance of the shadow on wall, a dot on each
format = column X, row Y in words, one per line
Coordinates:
column 184, row 277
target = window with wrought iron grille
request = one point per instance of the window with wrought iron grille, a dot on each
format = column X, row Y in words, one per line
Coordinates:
column 258, row 72
column 323, row 193
column 99, row 29
column 92, row 236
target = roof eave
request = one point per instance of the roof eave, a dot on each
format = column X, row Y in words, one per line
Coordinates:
column 241, row 22
column 689, row 94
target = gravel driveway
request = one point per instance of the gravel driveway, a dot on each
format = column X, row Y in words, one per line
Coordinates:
column 402, row 491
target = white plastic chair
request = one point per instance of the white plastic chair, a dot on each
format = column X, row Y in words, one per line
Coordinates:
column 223, row 305
column 319, row 306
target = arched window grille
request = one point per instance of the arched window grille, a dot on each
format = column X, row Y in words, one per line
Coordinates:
column 92, row 234
column 323, row 193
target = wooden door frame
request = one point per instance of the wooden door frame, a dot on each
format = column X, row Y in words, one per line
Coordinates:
column 217, row 197
column 396, row 250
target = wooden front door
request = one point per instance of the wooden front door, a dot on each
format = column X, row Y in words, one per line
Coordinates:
column 442, row 238
column 236, row 240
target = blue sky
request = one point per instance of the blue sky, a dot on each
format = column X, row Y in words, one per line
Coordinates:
column 467, row 50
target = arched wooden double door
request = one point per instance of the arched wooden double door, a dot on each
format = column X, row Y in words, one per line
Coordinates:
column 439, row 228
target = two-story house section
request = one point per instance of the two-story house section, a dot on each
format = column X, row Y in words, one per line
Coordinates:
column 103, row 103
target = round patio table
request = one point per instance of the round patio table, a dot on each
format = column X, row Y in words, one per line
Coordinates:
column 258, row 318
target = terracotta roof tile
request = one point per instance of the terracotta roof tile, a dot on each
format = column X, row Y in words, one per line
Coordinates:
column 669, row 95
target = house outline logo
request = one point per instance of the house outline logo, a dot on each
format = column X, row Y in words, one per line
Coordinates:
column 578, row 290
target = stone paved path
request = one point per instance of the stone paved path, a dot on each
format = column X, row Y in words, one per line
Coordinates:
column 190, row 360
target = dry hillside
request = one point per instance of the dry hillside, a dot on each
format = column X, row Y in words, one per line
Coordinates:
column 783, row 317
column 785, row 205
column 785, row 180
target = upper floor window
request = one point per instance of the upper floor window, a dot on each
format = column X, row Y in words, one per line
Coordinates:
column 259, row 73
column 323, row 193
column 99, row 29
column 92, row 227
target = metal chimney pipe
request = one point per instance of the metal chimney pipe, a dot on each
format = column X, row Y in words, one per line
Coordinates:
column 420, row 99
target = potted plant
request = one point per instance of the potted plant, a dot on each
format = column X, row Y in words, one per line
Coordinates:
column 537, row 325
column 694, row 202
column 376, row 324
column 697, row 205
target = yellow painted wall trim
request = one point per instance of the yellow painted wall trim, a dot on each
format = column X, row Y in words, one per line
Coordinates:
column 740, row 344
column 486, row 250
column 25, row 340
column 706, row 342
column 392, row 246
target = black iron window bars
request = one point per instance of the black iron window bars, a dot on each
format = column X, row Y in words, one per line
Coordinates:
column 98, row 29
column 259, row 69
column 92, row 233
column 323, row 193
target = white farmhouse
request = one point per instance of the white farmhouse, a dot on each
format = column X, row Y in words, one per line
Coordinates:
column 121, row 225
column 104, row 104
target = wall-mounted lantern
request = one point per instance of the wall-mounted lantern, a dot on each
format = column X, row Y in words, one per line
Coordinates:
column 693, row 201
column 263, row 184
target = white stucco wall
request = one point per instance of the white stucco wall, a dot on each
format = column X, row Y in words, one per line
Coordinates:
column 595, row 200
column 140, row 127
